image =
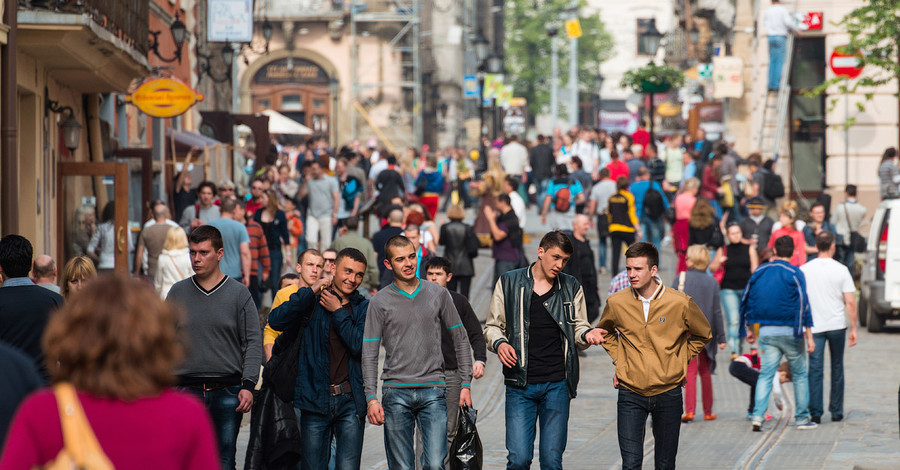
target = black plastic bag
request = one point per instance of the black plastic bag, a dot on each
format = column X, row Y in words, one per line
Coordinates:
column 466, row 450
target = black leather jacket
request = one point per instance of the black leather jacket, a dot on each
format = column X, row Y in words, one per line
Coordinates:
column 508, row 322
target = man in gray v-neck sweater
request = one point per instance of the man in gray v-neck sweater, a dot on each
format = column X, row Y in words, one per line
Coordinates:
column 409, row 326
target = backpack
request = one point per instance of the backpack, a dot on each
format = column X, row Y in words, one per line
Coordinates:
column 654, row 207
column 773, row 187
column 349, row 190
column 562, row 200
column 657, row 168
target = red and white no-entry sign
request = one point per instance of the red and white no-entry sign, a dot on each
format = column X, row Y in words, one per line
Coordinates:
column 844, row 64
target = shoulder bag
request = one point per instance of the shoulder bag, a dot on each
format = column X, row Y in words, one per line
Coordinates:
column 81, row 449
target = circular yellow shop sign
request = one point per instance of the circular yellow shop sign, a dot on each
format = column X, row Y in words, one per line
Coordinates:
column 164, row 97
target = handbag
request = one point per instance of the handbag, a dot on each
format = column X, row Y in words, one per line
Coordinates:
column 81, row 449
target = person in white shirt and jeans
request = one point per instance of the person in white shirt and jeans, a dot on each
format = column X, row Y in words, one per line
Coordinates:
column 832, row 298
column 778, row 23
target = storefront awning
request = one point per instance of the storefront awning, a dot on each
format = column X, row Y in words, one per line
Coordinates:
column 186, row 140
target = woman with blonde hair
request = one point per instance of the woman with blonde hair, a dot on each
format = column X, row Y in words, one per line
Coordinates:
column 111, row 353
column 704, row 291
column 174, row 263
column 76, row 272
column 683, row 204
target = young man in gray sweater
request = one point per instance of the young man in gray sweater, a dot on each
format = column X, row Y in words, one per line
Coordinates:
column 222, row 327
column 407, row 317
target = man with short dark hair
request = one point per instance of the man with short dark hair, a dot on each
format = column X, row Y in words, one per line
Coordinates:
column 542, row 160
column 511, row 188
column 847, row 218
column 506, row 235
column 440, row 271
column 832, row 301
column 775, row 298
column 203, row 210
column 328, row 393
column 43, row 273
column 350, row 238
column 407, row 318
column 651, row 362
column 24, row 307
column 537, row 324
column 222, row 326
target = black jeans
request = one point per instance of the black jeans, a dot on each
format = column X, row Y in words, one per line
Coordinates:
column 255, row 293
column 633, row 409
column 749, row 376
column 618, row 238
column 460, row 284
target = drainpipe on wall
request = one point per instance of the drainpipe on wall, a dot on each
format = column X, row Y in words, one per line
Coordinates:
column 9, row 151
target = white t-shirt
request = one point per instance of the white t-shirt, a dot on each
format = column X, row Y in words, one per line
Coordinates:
column 826, row 282
column 518, row 206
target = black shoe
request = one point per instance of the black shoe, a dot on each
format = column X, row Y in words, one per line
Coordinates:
column 837, row 418
column 816, row 419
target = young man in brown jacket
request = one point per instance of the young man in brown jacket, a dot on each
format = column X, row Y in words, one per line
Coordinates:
column 654, row 332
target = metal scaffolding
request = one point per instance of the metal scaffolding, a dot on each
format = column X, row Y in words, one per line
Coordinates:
column 406, row 42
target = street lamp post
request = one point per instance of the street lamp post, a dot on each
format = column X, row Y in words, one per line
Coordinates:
column 552, row 30
column 651, row 39
column 481, row 50
column 598, row 85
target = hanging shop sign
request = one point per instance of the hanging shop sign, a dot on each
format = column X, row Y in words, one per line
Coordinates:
column 728, row 77
column 164, row 97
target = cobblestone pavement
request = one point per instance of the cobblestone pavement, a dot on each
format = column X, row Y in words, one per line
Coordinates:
column 867, row 438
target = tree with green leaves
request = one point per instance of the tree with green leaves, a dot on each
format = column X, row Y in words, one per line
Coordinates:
column 874, row 31
column 528, row 48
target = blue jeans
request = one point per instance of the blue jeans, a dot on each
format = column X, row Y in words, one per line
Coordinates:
column 731, row 307
column 548, row 402
column 602, row 243
column 772, row 348
column 220, row 404
column 501, row 267
column 405, row 409
column 631, row 420
column 653, row 230
column 341, row 422
column 777, row 51
column 835, row 339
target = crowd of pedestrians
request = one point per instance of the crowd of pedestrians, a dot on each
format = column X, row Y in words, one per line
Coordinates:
column 283, row 280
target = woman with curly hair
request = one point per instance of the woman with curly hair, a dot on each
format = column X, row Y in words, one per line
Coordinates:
column 111, row 351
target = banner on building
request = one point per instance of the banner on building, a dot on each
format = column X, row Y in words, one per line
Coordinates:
column 505, row 95
column 230, row 20
column 492, row 84
column 728, row 77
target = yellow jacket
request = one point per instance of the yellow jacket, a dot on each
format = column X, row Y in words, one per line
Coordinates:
column 282, row 296
column 651, row 356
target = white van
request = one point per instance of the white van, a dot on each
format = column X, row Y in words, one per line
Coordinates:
column 879, row 297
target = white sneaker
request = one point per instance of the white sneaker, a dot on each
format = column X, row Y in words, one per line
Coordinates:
column 757, row 425
column 666, row 241
column 807, row 426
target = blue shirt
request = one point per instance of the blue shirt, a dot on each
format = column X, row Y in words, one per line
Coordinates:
column 639, row 189
column 575, row 189
column 233, row 234
column 18, row 281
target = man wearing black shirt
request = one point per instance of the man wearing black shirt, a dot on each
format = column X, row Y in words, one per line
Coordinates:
column 536, row 325
column 24, row 307
column 183, row 195
column 581, row 266
column 542, row 160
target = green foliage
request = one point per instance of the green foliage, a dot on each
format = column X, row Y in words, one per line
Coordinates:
column 528, row 49
column 874, row 31
column 655, row 75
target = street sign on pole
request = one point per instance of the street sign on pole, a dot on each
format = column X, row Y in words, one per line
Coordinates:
column 845, row 64
column 573, row 28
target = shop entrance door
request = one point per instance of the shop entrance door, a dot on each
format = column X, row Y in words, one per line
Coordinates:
column 92, row 214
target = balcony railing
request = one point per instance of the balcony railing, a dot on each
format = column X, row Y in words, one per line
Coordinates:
column 126, row 19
